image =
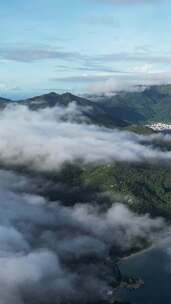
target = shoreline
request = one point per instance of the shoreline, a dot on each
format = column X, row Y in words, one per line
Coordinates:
column 132, row 255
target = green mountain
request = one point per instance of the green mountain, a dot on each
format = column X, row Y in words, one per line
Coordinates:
column 150, row 105
column 144, row 187
column 121, row 110
column 93, row 112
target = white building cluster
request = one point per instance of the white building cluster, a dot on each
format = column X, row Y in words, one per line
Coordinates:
column 159, row 126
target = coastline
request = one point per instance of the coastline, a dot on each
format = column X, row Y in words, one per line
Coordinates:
column 135, row 254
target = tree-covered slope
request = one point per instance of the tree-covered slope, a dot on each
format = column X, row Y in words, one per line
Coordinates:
column 151, row 105
column 145, row 188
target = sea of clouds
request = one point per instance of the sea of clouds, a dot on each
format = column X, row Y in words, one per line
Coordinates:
column 47, row 138
column 50, row 253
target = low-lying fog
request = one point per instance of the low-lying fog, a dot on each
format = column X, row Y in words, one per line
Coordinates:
column 50, row 253
column 47, row 138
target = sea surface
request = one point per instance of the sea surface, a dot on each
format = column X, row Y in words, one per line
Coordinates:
column 154, row 268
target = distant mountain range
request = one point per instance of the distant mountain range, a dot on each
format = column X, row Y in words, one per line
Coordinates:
column 94, row 112
column 153, row 104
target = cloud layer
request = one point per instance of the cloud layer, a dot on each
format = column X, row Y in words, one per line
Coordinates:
column 47, row 138
column 49, row 252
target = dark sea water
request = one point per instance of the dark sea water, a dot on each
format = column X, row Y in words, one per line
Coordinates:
column 154, row 267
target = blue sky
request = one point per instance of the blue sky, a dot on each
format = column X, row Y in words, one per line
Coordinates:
column 83, row 46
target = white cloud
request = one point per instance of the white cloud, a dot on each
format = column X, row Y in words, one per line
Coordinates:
column 40, row 242
column 43, row 141
column 142, row 75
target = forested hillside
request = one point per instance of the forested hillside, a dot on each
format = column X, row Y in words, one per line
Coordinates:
column 150, row 105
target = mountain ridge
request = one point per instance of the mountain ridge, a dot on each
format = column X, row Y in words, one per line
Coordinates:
column 93, row 112
column 153, row 104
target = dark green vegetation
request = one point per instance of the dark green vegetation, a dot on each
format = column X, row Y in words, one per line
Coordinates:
column 145, row 188
column 151, row 105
